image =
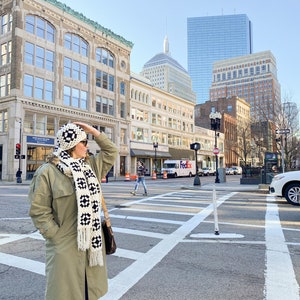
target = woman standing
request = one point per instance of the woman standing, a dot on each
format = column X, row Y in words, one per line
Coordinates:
column 65, row 196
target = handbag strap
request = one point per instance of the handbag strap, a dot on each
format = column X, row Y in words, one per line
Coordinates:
column 105, row 211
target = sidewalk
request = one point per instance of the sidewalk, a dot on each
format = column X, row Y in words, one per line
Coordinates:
column 223, row 186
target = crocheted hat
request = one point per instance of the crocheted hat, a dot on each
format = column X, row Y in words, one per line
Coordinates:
column 69, row 135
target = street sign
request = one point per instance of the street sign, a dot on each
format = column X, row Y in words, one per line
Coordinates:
column 216, row 151
column 282, row 131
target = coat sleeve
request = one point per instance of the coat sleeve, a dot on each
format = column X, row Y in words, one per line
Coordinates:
column 104, row 160
column 40, row 197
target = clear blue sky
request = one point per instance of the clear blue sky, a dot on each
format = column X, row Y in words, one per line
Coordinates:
column 275, row 25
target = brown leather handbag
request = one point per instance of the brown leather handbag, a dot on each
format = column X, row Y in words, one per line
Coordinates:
column 110, row 243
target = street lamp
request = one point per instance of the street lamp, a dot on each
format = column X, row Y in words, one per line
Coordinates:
column 155, row 146
column 215, row 123
column 196, row 147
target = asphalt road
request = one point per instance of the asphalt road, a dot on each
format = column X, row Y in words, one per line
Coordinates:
column 167, row 243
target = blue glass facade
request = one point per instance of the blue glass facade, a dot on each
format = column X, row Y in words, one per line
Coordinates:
column 214, row 38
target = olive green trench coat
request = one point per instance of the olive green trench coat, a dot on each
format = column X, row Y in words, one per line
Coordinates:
column 54, row 213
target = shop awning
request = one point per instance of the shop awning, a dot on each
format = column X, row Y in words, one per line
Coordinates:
column 149, row 153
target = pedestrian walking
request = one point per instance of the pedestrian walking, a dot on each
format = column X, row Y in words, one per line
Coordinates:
column 65, row 196
column 141, row 170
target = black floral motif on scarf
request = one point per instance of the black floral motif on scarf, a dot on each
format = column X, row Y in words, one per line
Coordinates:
column 96, row 224
column 81, row 183
column 89, row 174
column 84, row 200
column 85, row 219
column 94, row 188
column 75, row 166
column 95, row 206
column 96, row 242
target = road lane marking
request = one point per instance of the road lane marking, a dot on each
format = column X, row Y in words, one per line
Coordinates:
column 22, row 263
column 280, row 279
column 126, row 279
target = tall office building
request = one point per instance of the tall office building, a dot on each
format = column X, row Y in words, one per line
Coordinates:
column 214, row 38
column 167, row 74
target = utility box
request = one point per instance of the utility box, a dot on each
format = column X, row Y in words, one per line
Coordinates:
column 222, row 174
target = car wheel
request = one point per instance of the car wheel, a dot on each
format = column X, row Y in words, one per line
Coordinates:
column 292, row 193
column 175, row 175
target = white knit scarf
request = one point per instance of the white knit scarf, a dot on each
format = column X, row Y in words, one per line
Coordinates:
column 88, row 195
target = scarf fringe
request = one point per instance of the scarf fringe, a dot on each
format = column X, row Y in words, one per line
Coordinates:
column 83, row 239
column 96, row 258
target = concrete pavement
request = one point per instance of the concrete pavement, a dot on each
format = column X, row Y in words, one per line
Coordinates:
column 234, row 186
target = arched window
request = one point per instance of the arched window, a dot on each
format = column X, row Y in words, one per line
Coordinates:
column 75, row 43
column 40, row 28
column 105, row 57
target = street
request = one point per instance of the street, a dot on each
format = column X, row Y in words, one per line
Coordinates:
column 167, row 243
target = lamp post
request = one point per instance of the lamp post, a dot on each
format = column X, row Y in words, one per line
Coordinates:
column 215, row 123
column 155, row 146
column 18, row 154
column 196, row 147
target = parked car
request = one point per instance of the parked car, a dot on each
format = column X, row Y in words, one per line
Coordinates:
column 237, row 170
column 200, row 172
column 229, row 171
column 287, row 185
column 208, row 171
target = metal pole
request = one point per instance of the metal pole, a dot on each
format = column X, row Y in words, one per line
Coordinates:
column 282, row 154
column 217, row 159
column 20, row 141
column 215, row 212
column 155, row 160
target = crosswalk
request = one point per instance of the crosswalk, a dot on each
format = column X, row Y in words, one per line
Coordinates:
column 169, row 220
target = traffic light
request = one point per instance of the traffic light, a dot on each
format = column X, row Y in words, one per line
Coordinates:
column 18, row 149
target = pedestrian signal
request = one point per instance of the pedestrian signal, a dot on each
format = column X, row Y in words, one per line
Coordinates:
column 18, row 149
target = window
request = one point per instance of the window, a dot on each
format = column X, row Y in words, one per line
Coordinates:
column 38, row 88
column 105, row 57
column 76, row 44
column 4, row 85
column 105, row 81
column 105, row 106
column 122, row 110
column 74, row 69
column 111, row 83
column 122, row 88
column 5, row 53
column 40, row 28
column 3, row 121
column 6, row 23
column 39, row 57
column 75, row 97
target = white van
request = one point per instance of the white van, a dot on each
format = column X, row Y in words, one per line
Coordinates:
column 237, row 170
column 179, row 168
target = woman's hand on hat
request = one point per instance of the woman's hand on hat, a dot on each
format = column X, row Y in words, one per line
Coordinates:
column 88, row 128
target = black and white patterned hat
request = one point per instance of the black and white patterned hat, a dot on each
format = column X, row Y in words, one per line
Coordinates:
column 69, row 135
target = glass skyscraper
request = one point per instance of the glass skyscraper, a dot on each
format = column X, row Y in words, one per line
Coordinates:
column 214, row 38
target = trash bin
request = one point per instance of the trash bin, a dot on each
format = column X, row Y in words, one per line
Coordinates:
column 222, row 174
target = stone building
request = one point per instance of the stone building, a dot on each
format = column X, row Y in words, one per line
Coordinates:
column 58, row 66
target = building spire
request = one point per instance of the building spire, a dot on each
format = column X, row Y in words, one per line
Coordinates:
column 166, row 45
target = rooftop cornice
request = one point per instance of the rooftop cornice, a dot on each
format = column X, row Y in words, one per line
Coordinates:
column 90, row 22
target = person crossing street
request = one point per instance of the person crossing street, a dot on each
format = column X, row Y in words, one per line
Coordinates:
column 140, row 179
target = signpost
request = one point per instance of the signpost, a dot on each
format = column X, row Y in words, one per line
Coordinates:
column 216, row 151
column 282, row 131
